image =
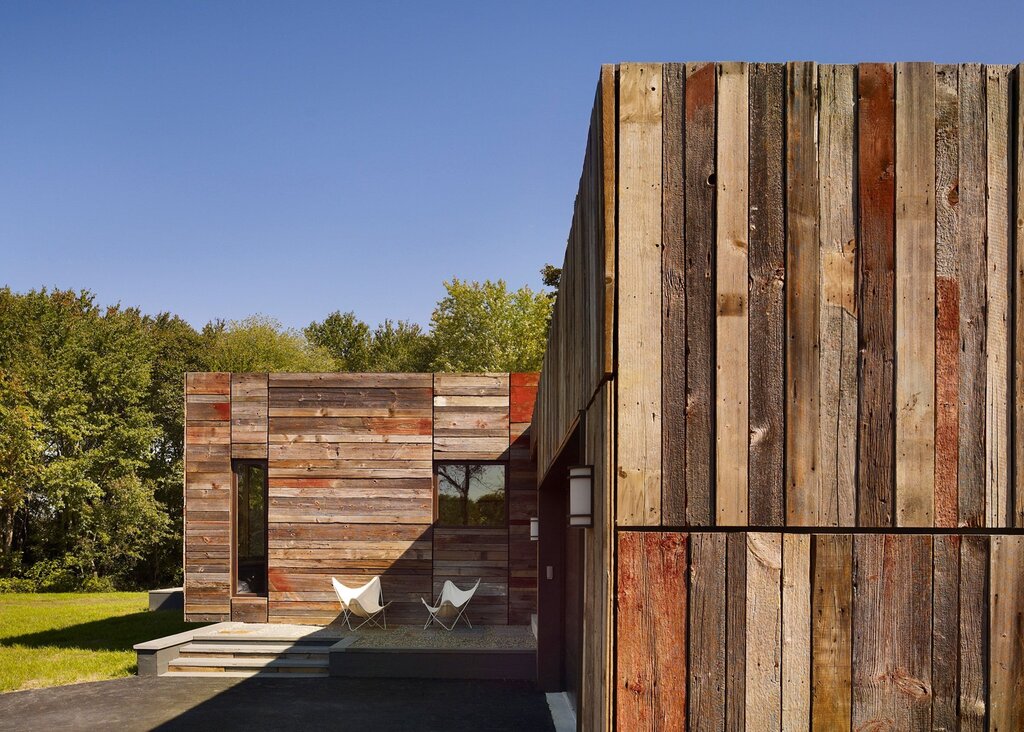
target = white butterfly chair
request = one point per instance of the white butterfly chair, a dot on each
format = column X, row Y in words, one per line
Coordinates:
column 365, row 602
column 451, row 605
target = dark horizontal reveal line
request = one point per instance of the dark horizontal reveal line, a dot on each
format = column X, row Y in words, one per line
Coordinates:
column 895, row 530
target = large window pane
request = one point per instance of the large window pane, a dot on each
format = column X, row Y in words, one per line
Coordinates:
column 470, row 494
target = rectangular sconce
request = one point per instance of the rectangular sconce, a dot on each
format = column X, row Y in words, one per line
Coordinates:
column 581, row 495
column 534, row 528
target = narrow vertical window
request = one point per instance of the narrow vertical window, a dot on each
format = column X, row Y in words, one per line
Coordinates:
column 250, row 527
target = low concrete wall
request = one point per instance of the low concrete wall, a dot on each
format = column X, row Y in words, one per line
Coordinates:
column 171, row 598
column 419, row 663
column 154, row 656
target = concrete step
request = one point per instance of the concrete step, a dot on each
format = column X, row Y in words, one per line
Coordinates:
column 316, row 674
column 247, row 650
column 273, row 665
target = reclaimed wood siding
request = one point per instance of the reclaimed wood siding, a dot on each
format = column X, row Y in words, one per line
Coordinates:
column 816, row 289
column 351, row 495
column 208, row 493
column 838, row 632
column 580, row 348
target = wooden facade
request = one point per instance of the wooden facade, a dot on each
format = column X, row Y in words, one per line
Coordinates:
column 789, row 326
column 350, row 464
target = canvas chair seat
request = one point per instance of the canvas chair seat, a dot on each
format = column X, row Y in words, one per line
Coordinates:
column 451, row 605
column 365, row 602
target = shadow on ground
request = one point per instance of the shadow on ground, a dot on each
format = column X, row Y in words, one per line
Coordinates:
column 118, row 633
column 381, row 705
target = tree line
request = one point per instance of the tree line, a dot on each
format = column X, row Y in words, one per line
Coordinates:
column 92, row 412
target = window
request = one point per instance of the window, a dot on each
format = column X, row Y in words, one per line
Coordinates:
column 250, row 527
column 470, row 494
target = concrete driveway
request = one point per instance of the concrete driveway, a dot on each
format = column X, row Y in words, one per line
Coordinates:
column 380, row 705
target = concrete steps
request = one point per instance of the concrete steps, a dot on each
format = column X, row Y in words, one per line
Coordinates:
column 241, row 658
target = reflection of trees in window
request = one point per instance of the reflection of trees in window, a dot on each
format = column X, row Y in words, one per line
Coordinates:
column 470, row 494
column 251, row 526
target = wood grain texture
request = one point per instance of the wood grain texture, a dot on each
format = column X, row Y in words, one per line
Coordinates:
column 732, row 314
column 707, row 603
column 1017, row 222
column 796, row 631
column 876, row 273
column 974, row 636
column 915, row 294
column 651, row 631
column 947, row 296
column 892, row 632
column 764, row 632
column 1006, row 660
column 736, row 632
column 766, row 221
column 945, row 631
column 608, row 192
column 700, row 246
column 837, row 313
column 639, row 295
column 673, row 300
column 803, row 504
column 972, row 261
column 997, row 435
column 831, row 608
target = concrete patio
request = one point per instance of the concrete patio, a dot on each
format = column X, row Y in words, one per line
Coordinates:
column 286, row 704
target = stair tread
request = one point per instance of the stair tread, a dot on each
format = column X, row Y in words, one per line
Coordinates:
column 249, row 662
column 263, row 648
column 245, row 674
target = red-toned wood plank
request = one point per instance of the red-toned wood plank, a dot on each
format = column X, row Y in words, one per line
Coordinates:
column 876, row 189
column 651, row 623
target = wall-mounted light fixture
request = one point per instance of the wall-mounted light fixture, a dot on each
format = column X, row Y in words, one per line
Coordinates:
column 581, row 495
column 534, row 528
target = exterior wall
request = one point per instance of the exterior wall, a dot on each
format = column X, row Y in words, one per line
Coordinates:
column 351, row 492
column 816, row 285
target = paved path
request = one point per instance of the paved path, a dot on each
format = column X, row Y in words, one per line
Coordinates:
column 380, row 705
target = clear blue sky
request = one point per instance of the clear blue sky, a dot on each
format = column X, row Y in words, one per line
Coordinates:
column 218, row 159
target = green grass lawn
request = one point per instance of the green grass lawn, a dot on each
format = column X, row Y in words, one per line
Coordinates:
column 49, row 639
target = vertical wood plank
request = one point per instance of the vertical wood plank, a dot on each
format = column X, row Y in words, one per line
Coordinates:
column 837, row 499
column 832, row 642
column 973, row 600
column 971, row 277
column 639, row 291
column 731, row 275
column 651, row 690
column 997, row 442
column 700, row 227
column 767, row 303
column 673, row 301
column 707, row 604
column 608, row 192
column 1018, row 285
column 1006, row 660
column 915, row 294
column 947, row 296
column 736, row 632
column 945, row 632
column 892, row 632
column 802, row 296
column 763, row 626
column 796, row 631
column 876, row 202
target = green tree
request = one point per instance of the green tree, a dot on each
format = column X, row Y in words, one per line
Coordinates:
column 21, row 460
column 551, row 276
column 401, row 346
column 345, row 337
column 259, row 343
column 486, row 327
